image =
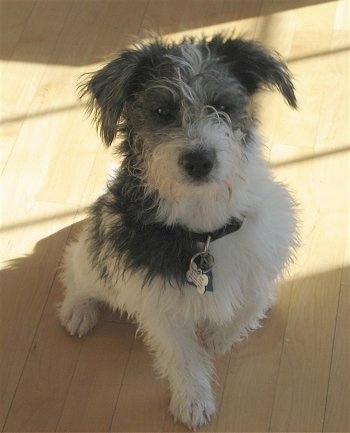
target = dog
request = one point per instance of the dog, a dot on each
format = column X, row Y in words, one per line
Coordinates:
column 193, row 233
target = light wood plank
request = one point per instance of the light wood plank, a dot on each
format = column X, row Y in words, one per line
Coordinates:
column 95, row 386
column 346, row 263
column 13, row 18
column 337, row 418
column 30, row 28
column 28, row 63
column 55, row 89
column 243, row 408
column 80, row 145
column 303, row 375
column 25, row 288
column 168, row 17
column 174, row 23
column 143, row 400
column 25, row 284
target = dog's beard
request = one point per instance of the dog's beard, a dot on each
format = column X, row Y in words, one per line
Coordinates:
column 200, row 206
column 164, row 174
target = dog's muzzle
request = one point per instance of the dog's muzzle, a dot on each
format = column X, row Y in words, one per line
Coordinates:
column 198, row 163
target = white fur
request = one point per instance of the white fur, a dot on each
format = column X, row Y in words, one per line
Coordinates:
column 179, row 325
column 183, row 328
column 200, row 208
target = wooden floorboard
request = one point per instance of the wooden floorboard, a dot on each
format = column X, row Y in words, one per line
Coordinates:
column 290, row 375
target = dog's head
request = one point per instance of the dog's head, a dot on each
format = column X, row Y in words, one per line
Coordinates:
column 184, row 108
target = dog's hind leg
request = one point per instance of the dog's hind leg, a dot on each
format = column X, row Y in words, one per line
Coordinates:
column 219, row 339
column 183, row 361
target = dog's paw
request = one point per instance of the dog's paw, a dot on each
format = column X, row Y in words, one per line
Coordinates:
column 193, row 413
column 215, row 342
column 79, row 318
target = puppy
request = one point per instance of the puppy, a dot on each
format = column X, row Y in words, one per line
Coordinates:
column 193, row 233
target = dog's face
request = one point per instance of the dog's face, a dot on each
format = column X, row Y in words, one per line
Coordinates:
column 185, row 109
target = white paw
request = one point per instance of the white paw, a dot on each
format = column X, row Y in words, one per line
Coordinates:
column 193, row 413
column 215, row 341
column 79, row 318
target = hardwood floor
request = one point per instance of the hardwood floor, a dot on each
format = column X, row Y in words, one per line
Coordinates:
column 293, row 373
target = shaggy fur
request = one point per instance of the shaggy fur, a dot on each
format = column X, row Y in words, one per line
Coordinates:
column 192, row 164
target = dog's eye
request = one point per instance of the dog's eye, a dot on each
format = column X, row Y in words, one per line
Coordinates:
column 163, row 111
column 222, row 107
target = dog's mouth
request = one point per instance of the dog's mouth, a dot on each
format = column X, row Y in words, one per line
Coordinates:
column 209, row 181
column 207, row 190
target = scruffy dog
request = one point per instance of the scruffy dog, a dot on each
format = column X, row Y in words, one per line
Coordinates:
column 193, row 232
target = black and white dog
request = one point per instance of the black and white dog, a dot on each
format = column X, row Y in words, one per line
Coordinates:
column 193, row 233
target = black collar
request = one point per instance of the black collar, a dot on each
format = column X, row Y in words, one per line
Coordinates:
column 232, row 226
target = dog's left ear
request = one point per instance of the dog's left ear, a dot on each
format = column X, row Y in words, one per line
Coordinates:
column 255, row 66
column 107, row 91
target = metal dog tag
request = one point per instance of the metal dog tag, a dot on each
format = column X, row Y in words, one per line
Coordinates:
column 199, row 273
column 195, row 276
column 204, row 261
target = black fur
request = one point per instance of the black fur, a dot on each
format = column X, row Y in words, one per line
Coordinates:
column 116, row 98
column 109, row 89
column 136, row 238
column 139, row 240
column 255, row 66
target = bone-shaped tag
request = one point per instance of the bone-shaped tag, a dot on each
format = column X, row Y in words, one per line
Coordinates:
column 196, row 277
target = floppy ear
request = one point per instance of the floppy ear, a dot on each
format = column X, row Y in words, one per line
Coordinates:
column 255, row 66
column 107, row 91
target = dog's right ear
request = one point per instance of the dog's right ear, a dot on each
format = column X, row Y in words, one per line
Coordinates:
column 255, row 66
column 107, row 91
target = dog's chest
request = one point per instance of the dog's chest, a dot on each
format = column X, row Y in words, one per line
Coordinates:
column 226, row 291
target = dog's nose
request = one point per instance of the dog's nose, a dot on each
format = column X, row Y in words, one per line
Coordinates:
column 198, row 163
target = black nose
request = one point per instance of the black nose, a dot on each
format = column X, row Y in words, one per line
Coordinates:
column 198, row 163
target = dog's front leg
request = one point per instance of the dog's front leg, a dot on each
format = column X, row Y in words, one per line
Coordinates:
column 187, row 366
